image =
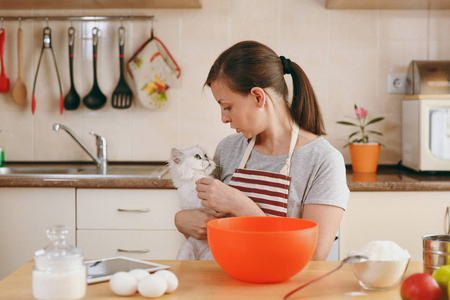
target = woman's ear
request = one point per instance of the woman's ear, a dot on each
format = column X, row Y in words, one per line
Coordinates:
column 259, row 96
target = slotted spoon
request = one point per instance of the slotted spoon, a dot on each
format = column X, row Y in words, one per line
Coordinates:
column 122, row 95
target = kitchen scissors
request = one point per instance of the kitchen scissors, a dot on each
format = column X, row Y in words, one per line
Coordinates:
column 47, row 44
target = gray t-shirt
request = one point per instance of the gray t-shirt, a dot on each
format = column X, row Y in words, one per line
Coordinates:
column 317, row 171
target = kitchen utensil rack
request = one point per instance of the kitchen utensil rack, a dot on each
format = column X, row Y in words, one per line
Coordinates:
column 75, row 18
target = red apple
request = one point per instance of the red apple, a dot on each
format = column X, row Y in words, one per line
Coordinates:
column 420, row 286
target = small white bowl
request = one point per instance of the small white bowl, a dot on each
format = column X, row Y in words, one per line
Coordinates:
column 380, row 275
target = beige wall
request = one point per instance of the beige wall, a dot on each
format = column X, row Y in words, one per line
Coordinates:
column 347, row 55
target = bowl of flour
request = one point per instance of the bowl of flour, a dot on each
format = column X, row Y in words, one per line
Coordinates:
column 385, row 267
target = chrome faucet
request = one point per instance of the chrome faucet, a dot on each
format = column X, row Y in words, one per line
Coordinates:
column 101, row 158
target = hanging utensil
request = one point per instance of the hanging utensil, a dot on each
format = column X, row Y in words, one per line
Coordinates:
column 347, row 261
column 47, row 44
column 72, row 99
column 19, row 89
column 4, row 81
column 95, row 99
column 122, row 95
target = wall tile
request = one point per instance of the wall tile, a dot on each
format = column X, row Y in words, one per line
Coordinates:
column 353, row 25
column 403, row 24
column 303, row 20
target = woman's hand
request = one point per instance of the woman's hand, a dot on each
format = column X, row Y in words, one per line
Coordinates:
column 222, row 198
column 193, row 222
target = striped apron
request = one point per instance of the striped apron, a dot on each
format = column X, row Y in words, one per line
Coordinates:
column 267, row 189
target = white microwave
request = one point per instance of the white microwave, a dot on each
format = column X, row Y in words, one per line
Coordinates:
column 426, row 132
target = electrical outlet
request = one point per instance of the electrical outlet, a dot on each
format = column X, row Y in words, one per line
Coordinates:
column 396, row 83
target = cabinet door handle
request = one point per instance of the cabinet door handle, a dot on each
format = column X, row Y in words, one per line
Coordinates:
column 135, row 251
column 447, row 219
column 144, row 210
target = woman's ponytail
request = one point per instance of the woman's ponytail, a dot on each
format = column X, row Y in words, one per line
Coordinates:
column 304, row 108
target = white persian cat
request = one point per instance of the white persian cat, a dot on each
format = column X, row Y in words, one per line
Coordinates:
column 186, row 167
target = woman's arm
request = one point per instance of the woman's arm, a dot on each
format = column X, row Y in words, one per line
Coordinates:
column 222, row 198
column 329, row 218
column 193, row 222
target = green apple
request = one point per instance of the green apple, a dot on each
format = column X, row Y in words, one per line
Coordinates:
column 442, row 276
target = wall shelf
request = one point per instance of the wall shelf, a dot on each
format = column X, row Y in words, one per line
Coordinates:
column 97, row 4
column 387, row 4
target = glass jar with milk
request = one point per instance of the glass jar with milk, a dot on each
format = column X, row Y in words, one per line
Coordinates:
column 59, row 271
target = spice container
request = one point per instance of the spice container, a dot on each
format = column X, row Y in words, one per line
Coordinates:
column 59, row 271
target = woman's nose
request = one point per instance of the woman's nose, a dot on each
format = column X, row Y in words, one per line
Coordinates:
column 225, row 118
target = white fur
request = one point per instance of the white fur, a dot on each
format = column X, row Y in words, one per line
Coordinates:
column 186, row 167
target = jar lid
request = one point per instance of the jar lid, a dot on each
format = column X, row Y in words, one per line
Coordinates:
column 58, row 250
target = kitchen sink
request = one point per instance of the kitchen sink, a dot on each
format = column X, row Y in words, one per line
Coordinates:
column 51, row 170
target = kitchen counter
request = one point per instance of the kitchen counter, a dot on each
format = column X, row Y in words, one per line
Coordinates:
column 206, row 280
column 387, row 178
column 397, row 178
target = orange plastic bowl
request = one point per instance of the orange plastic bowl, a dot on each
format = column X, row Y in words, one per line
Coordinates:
column 262, row 249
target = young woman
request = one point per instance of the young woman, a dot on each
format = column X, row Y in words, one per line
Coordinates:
column 277, row 164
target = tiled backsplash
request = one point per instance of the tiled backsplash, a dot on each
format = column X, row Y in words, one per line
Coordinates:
column 347, row 55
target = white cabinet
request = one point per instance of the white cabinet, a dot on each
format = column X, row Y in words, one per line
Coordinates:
column 402, row 217
column 135, row 223
column 25, row 214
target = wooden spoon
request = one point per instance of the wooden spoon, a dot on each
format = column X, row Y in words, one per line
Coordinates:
column 19, row 90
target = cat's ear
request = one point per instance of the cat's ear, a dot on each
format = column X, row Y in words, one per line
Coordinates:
column 176, row 155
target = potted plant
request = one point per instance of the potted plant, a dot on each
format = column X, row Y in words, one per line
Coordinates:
column 364, row 154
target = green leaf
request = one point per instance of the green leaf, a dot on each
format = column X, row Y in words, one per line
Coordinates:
column 375, row 120
column 346, row 123
column 374, row 132
column 353, row 134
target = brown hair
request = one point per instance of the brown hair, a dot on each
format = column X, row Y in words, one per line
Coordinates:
column 251, row 64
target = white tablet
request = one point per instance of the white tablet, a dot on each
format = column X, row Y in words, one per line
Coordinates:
column 104, row 269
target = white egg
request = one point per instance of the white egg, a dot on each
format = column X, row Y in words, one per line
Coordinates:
column 152, row 286
column 123, row 284
column 172, row 280
column 139, row 273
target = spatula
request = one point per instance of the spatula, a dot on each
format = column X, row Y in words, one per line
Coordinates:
column 122, row 95
column 72, row 99
column 4, row 81
column 19, row 89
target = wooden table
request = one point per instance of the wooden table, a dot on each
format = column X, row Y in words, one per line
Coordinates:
column 206, row 280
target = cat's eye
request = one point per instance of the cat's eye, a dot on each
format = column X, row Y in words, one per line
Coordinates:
column 206, row 156
column 197, row 156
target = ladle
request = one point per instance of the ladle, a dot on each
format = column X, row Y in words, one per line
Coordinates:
column 19, row 89
column 95, row 99
column 72, row 99
column 346, row 261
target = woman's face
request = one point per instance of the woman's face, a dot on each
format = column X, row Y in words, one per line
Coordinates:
column 242, row 112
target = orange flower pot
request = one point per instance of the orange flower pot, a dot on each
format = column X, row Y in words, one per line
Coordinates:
column 364, row 157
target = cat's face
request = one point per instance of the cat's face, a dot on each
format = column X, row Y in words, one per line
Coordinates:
column 185, row 163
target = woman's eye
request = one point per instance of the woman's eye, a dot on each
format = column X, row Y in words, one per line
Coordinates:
column 227, row 108
column 197, row 156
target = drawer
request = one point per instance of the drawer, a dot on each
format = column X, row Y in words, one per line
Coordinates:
column 126, row 209
column 140, row 244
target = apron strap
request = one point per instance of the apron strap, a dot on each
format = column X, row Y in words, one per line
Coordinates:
column 294, row 137
column 287, row 168
column 247, row 153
